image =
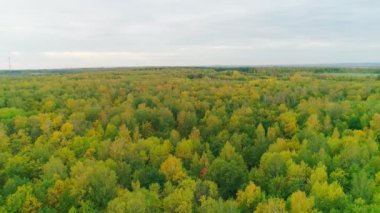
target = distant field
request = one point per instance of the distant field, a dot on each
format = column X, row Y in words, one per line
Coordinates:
column 354, row 74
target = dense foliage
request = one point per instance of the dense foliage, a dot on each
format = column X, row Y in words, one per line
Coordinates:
column 190, row 140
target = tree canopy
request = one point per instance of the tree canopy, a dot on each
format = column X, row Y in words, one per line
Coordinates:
column 190, row 140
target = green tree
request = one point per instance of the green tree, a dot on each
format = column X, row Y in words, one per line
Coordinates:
column 140, row 201
column 94, row 182
column 22, row 200
column 180, row 200
column 362, row 186
column 185, row 122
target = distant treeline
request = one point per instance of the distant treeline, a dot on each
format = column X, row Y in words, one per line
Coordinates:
column 270, row 70
column 283, row 70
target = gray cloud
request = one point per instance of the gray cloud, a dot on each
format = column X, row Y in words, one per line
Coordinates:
column 81, row 33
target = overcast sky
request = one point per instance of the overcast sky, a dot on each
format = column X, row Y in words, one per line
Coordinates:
column 93, row 33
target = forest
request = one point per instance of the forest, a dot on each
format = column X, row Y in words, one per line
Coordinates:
column 208, row 140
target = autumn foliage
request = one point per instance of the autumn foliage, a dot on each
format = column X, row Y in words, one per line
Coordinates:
column 190, row 140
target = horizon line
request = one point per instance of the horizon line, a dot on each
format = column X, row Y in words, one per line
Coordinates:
column 321, row 65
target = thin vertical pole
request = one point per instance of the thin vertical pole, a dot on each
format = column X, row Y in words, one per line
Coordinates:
column 9, row 61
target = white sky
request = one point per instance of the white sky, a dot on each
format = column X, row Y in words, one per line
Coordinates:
column 93, row 33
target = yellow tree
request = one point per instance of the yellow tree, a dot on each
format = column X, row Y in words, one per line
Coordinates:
column 313, row 123
column 288, row 122
column 172, row 169
column 275, row 205
column 300, row 203
column 250, row 197
column 67, row 130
